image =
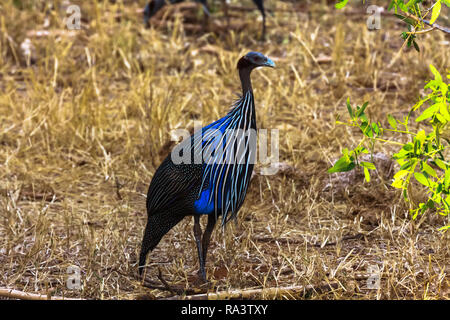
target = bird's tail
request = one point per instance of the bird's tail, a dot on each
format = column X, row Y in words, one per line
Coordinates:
column 157, row 226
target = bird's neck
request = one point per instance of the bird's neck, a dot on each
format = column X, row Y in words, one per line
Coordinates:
column 242, row 114
column 246, row 83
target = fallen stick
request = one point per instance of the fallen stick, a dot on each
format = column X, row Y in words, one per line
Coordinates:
column 16, row 294
column 317, row 245
column 268, row 293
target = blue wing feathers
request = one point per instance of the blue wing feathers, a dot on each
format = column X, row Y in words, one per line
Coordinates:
column 226, row 168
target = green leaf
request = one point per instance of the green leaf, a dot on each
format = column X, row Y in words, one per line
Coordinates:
column 349, row 108
column 445, row 203
column 398, row 179
column 433, row 85
column 342, row 165
column 437, row 75
column 429, row 170
column 444, row 111
column 368, row 165
column 361, row 149
column 444, row 88
column 421, row 136
column 437, row 197
column 366, row 129
column 421, row 178
column 436, row 11
column 440, row 118
column 402, row 6
column 407, row 165
column 376, row 129
column 408, row 146
column 393, row 3
column 417, row 146
column 361, row 111
column 428, row 112
column 414, row 213
column 367, row 174
column 392, row 122
column 341, row 4
column 420, row 103
column 404, row 152
column 440, row 164
column 405, row 19
column 400, row 174
column 447, row 179
column 416, row 46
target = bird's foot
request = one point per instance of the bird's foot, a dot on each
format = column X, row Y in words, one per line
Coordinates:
column 202, row 276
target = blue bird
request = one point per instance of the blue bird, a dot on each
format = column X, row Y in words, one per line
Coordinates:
column 154, row 6
column 208, row 173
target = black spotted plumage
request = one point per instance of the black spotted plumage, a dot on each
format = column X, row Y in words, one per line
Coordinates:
column 214, row 184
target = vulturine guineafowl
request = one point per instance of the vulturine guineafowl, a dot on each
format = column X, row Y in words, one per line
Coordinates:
column 154, row 6
column 208, row 173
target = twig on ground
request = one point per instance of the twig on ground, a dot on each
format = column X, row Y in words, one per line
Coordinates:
column 16, row 294
column 268, row 293
column 319, row 245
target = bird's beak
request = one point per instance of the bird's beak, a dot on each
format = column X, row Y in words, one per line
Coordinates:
column 269, row 63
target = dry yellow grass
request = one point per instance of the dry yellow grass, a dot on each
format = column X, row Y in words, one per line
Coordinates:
column 83, row 128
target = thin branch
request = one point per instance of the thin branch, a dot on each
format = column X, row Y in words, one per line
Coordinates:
column 427, row 22
column 268, row 293
column 422, row 31
column 16, row 294
column 317, row 245
column 437, row 26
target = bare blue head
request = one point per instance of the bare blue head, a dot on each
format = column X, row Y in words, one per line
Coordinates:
column 255, row 59
column 249, row 62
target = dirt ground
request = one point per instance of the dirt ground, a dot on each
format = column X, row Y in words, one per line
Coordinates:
column 86, row 118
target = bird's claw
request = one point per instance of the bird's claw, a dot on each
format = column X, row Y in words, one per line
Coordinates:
column 202, row 276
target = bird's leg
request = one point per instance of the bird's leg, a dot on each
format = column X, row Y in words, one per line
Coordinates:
column 206, row 15
column 205, row 8
column 260, row 5
column 225, row 10
column 263, row 35
column 207, row 234
column 198, row 235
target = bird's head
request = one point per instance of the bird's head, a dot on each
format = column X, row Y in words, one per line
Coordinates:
column 253, row 60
